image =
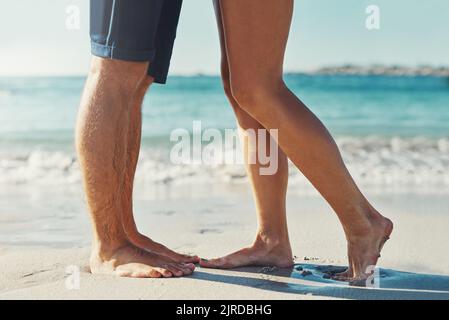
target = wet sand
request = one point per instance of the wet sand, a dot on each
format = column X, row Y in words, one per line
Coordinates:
column 414, row 263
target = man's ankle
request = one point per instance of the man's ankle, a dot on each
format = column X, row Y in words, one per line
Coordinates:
column 107, row 247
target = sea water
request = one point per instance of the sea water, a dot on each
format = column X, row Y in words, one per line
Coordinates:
column 392, row 131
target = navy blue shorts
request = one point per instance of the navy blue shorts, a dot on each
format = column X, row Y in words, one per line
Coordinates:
column 136, row 30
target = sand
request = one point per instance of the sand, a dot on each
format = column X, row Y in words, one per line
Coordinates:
column 414, row 264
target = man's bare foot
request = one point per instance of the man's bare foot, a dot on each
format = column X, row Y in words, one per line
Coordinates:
column 146, row 243
column 364, row 250
column 131, row 261
column 264, row 252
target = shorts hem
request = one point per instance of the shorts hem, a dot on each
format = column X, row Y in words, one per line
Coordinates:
column 158, row 78
column 105, row 51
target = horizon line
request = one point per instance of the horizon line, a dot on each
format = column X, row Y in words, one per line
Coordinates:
column 217, row 74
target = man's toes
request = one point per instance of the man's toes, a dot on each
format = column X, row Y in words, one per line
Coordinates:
column 194, row 259
column 180, row 269
column 190, row 266
column 185, row 270
column 164, row 272
column 136, row 270
column 174, row 270
column 190, row 259
column 184, row 258
column 153, row 273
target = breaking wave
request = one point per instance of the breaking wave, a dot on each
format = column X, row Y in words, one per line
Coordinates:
column 399, row 163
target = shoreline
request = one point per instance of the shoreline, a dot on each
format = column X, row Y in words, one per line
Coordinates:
column 344, row 69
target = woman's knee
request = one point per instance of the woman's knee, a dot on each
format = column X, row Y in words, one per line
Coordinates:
column 255, row 95
column 247, row 94
column 244, row 120
column 226, row 82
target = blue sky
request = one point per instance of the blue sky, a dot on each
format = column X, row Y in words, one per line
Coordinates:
column 35, row 41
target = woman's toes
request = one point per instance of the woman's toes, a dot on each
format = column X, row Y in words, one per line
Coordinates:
column 358, row 283
column 205, row 263
column 340, row 278
column 212, row 263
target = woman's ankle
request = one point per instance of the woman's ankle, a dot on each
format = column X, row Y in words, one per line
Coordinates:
column 361, row 220
column 270, row 239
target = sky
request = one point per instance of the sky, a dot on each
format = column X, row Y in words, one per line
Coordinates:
column 34, row 39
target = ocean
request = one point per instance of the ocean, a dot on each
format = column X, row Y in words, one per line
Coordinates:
column 393, row 131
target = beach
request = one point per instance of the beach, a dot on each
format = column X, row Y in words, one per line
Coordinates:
column 414, row 263
column 87, row 87
column 393, row 135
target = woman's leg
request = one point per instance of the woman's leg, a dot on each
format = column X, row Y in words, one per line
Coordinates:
column 256, row 34
column 272, row 245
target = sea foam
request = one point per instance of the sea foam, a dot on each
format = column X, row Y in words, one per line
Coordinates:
column 420, row 164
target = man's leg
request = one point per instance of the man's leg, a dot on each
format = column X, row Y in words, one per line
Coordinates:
column 101, row 139
column 134, row 140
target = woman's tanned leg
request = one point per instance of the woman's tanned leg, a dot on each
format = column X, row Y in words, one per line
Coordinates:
column 256, row 34
column 272, row 245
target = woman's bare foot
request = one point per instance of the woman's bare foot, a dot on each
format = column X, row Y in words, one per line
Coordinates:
column 146, row 243
column 343, row 276
column 364, row 248
column 264, row 252
column 131, row 261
